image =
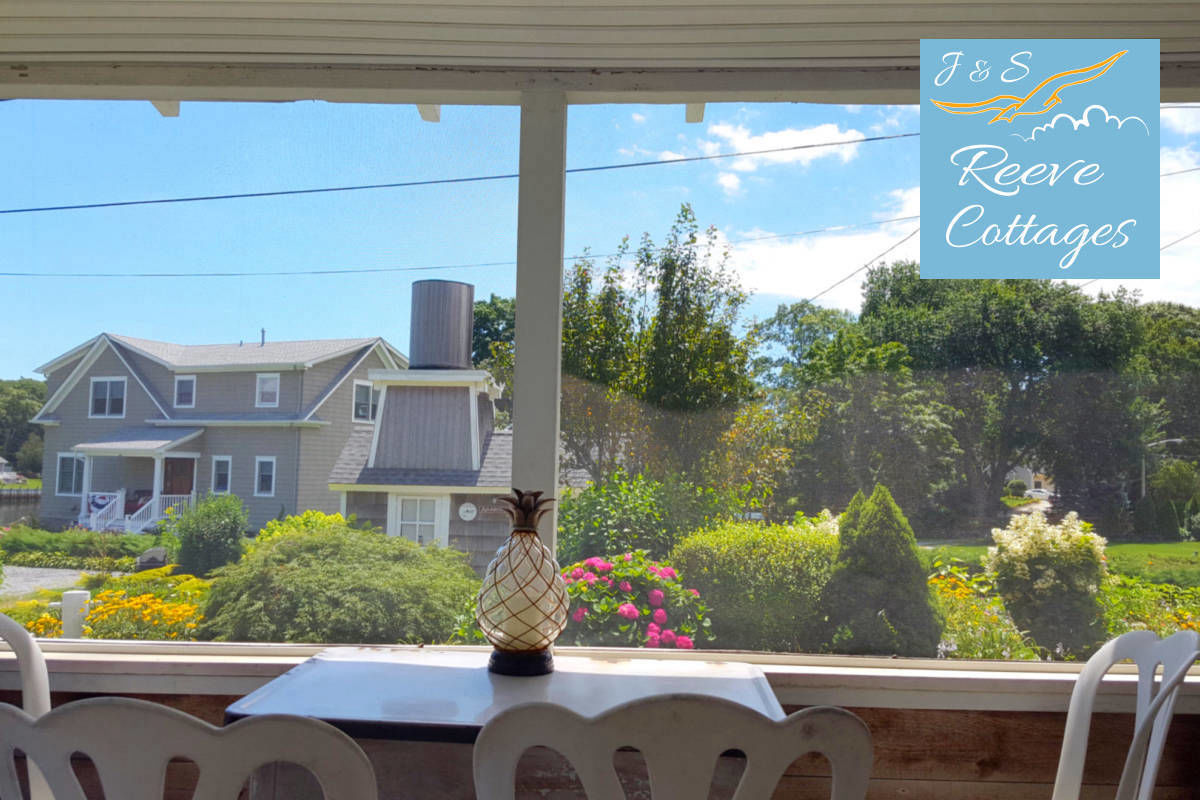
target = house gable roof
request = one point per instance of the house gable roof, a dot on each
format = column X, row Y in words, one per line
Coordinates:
column 98, row 346
column 219, row 357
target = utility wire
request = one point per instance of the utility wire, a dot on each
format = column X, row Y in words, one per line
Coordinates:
column 372, row 270
column 833, row 286
column 1164, row 247
column 442, row 181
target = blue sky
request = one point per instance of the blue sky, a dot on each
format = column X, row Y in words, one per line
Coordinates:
column 63, row 152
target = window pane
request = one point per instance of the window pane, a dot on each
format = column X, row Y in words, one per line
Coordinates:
column 116, row 398
column 268, row 390
column 221, row 476
column 66, row 466
column 428, row 509
column 183, row 392
column 408, row 510
column 78, row 481
column 100, row 398
column 374, row 402
column 266, row 477
column 362, row 402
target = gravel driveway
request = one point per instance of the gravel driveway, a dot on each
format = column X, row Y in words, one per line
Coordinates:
column 23, row 580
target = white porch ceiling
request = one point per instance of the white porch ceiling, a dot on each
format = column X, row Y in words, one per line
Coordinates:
column 490, row 50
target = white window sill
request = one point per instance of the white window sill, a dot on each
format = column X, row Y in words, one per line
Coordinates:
column 237, row 669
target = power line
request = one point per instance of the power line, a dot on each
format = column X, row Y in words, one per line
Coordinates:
column 1179, row 172
column 833, row 286
column 1164, row 247
column 443, row 181
column 374, row 270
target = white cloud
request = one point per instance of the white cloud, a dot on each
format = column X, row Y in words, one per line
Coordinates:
column 738, row 138
column 638, row 118
column 804, row 266
column 1179, row 265
column 670, row 155
column 633, row 150
column 852, row 109
column 1181, row 120
column 730, row 182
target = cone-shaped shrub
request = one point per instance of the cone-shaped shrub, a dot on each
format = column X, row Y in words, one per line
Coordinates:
column 878, row 600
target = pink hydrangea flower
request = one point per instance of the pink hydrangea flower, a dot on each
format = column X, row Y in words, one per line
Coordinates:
column 625, row 586
column 652, row 641
column 590, row 577
column 668, row 637
column 577, row 572
column 684, row 642
column 593, row 561
column 579, row 613
column 628, row 611
column 660, row 616
column 655, row 596
column 653, row 629
column 628, row 556
column 568, row 580
column 695, row 592
column 607, row 580
column 668, row 572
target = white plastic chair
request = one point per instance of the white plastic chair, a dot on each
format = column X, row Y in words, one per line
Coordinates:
column 130, row 742
column 680, row 737
column 1155, row 706
column 35, row 688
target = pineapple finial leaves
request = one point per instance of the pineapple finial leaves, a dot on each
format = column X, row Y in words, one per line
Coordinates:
column 526, row 508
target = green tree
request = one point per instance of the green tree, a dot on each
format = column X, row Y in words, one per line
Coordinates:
column 29, row 457
column 877, row 599
column 994, row 350
column 878, row 426
column 20, row 401
column 495, row 321
column 790, row 334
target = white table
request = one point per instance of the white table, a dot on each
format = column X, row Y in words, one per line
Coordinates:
column 440, row 695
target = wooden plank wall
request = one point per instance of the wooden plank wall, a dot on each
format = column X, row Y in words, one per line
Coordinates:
column 919, row 754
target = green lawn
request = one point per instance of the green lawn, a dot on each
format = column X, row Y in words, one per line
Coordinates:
column 1015, row 502
column 1158, row 562
column 32, row 483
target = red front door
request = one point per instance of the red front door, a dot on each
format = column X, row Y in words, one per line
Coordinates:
column 179, row 475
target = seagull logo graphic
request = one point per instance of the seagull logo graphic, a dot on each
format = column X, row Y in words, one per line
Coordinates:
column 1043, row 97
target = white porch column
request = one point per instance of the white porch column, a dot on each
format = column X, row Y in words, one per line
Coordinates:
column 85, row 484
column 537, row 371
column 157, row 488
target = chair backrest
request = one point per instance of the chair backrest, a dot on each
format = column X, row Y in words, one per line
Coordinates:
column 35, row 687
column 680, row 737
column 35, row 680
column 130, row 742
column 1155, row 706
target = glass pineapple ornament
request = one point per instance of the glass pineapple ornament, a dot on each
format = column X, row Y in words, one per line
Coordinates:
column 522, row 605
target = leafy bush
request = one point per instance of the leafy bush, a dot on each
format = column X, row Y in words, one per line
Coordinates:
column 632, row 601
column 1015, row 488
column 878, row 600
column 1131, row 604
column 624, row 513
column 211, row 533
column 1050, row 578
column 763, row 582
column 976, row 623
column 335, row 583
column 21, row 539
column 65, row 561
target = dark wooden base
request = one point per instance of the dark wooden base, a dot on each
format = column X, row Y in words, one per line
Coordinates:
column 538, row 662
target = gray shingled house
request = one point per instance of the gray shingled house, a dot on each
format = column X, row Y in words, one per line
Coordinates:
column 133, row 427
column 433, row 466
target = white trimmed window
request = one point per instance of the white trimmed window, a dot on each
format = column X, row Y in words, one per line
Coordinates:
column 266, row 390
column 366, row 401
column 418, row 518
column 70, row 475
column 264, row 476
column 185, row 391
column 222, row 474
column 107, row 398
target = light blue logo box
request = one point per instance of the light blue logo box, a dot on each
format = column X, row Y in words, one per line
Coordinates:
column 1030, row 147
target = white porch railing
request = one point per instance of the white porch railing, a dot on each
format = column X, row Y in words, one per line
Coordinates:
column 110, row 514
column 156, row 509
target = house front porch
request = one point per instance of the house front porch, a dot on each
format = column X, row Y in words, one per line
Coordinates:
column 132, row 479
